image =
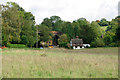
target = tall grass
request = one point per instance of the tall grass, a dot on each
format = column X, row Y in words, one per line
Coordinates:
column 57, row 63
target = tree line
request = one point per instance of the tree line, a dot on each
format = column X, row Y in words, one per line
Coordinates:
column 18, row 27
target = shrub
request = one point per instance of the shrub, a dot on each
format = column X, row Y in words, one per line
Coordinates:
column 113, row 44
column 63, row 44
column 63, row 39
column 98, row 43
column 16, row 46
column 107, row 39
column 93, row 44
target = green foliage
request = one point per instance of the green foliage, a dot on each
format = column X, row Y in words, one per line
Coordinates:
column 99, row 42
column 93, row 44
column 103, row 22
column 103, row 29
column 44, row 33
column 68, row 29
column 113, row 44
column 84, row 29
column 76, row 28
column 55, row 19
column 18, row 25
column 63, row 44
column 63, row 38
column 107, row 39
column 55, row 23
column 28, row 33
column 24, row 39
column 16, row 46
column 63, row 41
column 47, row 22
column 12, row 24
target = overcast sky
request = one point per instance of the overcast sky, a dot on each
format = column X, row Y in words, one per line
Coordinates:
column 70, row 10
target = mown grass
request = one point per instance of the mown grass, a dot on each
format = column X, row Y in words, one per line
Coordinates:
column 60, row 63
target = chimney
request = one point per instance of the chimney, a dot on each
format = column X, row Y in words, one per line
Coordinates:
column 77, row 37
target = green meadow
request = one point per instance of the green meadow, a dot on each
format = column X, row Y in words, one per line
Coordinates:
column 60, row 63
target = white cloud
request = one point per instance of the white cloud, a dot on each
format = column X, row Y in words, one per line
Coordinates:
column 70, row 10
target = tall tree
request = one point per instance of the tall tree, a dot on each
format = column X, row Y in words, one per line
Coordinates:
column 47, row 22
column 103, row 22
column 63, row 39
column 68, row 29
column 18, row 25
column 56, row 23
column 44, row 33
column 28, row 34
column 12, row 24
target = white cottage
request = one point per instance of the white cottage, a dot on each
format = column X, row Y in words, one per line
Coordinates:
column 77, row 43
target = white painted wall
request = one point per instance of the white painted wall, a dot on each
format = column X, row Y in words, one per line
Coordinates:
column 85, row 45
column 78, row 47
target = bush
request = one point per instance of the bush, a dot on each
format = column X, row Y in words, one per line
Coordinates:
column 63, row 44
column 16, row 46
column 98, row 43
column 93, row 44
column 63, row 39
column 108, row 39
column 113, row 45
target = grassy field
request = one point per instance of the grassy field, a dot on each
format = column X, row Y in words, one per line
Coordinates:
column 60, row 63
